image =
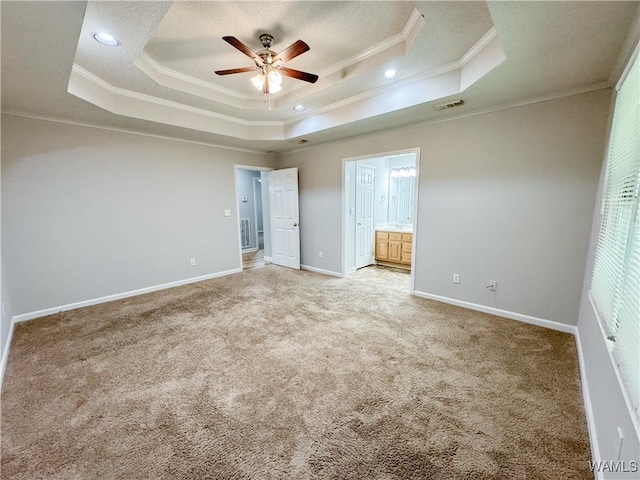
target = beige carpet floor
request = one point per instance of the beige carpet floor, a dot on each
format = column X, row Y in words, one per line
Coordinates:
column 281, row 374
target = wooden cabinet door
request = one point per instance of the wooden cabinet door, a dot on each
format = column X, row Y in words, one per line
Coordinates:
column 395, row 251
column 406, row 248
column 382, row 249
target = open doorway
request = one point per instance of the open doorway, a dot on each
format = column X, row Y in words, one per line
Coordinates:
column 253, row 215
column 380, row 198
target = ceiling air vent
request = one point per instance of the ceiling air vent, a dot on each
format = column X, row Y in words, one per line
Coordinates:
column 447, row 106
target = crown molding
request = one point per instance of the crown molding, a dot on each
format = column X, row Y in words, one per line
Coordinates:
column 77, row 69
column 443, row 69
column 184, row 83
column 629, row 49
column 150, row 66
column 441, row 82
column 479, row 46
column 130, row 132
column 411, row 29
column 507, row 106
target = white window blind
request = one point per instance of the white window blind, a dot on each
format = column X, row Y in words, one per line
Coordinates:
column 615, row 286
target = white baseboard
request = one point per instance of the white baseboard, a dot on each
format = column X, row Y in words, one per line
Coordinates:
column 588, row 408
column 320, row 270
column 250, row 250
column 109, row 298
column 268, row 259
column 351, row 270
column 5, row 352
column 541, row 322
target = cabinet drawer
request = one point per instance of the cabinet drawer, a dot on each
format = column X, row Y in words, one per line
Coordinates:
column 406, row 247
column 406, row 258
column 407, row 237
column 382, row 235
column 395, row 236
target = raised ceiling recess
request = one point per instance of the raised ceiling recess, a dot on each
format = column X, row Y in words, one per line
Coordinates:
column 164, row 68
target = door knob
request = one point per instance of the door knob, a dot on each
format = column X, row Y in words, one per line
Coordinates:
column 359, row 224
column 296, row 224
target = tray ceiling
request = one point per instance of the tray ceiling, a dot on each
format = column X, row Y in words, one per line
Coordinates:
column 161, row 80
column 163, row 68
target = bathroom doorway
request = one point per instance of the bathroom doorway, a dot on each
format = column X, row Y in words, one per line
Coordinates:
column 380, row 198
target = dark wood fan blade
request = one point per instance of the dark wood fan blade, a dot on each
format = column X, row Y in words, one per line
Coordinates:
column 307, row 77
column 235, row 70
column 234, row 42
column 292, row 51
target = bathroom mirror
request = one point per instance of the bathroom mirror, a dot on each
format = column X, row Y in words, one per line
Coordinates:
column 401, row 195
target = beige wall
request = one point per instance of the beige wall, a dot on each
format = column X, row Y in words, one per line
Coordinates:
column 504, row 196
column 88, row 213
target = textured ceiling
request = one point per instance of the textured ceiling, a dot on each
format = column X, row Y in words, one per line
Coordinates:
column 551, row 49
column 189, row 39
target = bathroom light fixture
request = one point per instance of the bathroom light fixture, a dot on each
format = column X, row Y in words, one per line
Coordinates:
column 390, row 74
column 105, row 39
column 299, row 108
column 403, row 172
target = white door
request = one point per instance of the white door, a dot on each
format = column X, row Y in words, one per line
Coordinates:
column 365, row 178
column 285, row 234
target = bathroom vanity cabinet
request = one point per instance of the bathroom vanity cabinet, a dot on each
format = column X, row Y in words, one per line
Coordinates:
column 394, row 247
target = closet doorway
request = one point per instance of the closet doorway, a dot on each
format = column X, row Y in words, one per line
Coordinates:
column 252, row 186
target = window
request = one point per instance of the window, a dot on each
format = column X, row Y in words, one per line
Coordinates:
column 615, row 286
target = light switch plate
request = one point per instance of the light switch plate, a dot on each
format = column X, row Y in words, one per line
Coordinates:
column 227, row 212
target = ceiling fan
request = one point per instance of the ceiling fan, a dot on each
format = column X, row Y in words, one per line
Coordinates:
column 268, row 64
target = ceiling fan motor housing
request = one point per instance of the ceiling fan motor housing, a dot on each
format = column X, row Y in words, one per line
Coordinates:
column 267, row 40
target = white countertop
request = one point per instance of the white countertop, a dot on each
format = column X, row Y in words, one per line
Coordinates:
column 395, row 229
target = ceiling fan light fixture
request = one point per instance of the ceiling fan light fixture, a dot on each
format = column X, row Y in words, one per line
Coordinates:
column 105, row 39
column 268, row 64
column 299, row 108
column 275, row 78
column 258, row 81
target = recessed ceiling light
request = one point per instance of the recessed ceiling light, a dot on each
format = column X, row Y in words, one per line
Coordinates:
column 299, row 108
column 391, row 74
column 106, row 39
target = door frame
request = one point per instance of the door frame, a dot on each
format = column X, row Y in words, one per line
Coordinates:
column 235, row 188
column 257, row 180
column 345, row 217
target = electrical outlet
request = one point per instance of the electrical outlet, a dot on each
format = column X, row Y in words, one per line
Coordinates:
column 193, row 261
column 493, row 285
column 456, row 278
column 320, row 254
column 227, row 212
